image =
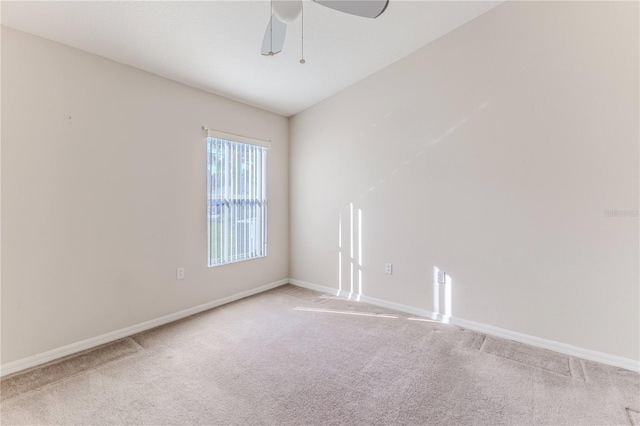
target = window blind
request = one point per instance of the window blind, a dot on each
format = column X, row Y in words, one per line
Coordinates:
column 237, row 201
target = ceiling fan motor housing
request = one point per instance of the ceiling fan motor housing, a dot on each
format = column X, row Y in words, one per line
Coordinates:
column 287, row 10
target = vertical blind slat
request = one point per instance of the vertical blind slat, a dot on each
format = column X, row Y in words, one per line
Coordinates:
column 259, row 236
column 210, row 169
column 236, row 182
column 245, row 182
column 263, row 233
column 225, row 188
column 255, row 205
column 234, row 200
column 254, row 247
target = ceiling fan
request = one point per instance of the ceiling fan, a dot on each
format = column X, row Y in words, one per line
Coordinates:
column 287, row 11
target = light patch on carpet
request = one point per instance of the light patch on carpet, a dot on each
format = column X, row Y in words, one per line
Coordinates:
column 634, row 417
column 333, row 311
column 56, row 371
column 529, row 355
column 424, row 320
column 258, row 361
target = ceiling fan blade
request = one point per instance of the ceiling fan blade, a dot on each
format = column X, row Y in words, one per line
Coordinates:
column 274, row 36
column 364, row 8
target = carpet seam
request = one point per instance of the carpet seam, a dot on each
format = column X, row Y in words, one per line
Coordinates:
column 484, row 339
column 528, row 365
column 584, row 371
column 628, row 410
column 60, row 360
column 29, row 392
column 139, row 343
column 571, row 368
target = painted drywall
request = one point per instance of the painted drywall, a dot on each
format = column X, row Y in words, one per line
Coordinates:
column 104, row 196
column 492, row 154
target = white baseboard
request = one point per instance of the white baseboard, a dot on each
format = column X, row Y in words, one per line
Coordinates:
column 588, row 354
column 575, row 351
column 319, row 288
column 35, row 360
column 370, row 300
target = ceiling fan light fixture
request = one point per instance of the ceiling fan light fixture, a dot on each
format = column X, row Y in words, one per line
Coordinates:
column 287, row 10
column 283, row 12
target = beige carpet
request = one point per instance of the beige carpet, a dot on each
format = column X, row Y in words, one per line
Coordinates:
column 292, row 357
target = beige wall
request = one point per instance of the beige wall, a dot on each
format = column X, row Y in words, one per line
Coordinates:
column 104, row 196
column 492, row 154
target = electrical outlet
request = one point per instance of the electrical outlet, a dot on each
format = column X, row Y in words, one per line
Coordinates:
column 441, row 277
column 388, row 268
column 179, row 273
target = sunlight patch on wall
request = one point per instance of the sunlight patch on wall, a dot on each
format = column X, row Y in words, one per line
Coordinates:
column 339, row 253
column 354, row 288
column 442, row 295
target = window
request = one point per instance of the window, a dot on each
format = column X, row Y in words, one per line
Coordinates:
column 237, row 201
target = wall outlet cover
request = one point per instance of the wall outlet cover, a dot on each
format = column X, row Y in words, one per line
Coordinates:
column 388, row 268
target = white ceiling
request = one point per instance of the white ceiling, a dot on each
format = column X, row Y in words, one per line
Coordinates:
column 215, row 45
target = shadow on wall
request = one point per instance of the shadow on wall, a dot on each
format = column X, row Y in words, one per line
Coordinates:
column 427, row 143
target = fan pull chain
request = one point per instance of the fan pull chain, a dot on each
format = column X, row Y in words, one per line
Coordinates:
column 302, row 61
column 271, row 29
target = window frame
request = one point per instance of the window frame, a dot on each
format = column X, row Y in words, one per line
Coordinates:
column 235, row 204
